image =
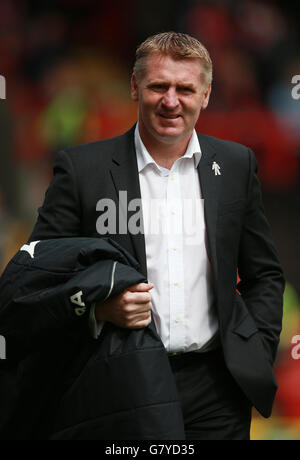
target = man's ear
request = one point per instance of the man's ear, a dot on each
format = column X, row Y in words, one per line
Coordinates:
column 134, row 88
column 206, row 97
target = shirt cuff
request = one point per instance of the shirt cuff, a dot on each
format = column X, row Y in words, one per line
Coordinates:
column 95, row 326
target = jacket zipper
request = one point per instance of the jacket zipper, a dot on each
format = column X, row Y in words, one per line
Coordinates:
column 112, row 281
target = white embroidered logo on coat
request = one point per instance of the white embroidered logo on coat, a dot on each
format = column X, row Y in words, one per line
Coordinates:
column 30, row 248
column 77, row 300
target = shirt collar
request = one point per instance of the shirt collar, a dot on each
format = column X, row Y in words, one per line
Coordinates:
column 144, row 158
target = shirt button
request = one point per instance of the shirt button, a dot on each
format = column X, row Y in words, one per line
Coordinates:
column 176, row 283
column 177, row 320
column 173, row 176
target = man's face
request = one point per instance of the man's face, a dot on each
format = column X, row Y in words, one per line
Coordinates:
column 170, row 97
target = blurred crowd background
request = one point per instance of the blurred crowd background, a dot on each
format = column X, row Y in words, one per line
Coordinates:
column 67, row 66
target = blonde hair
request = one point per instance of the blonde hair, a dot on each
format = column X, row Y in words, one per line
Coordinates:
column 177, row 45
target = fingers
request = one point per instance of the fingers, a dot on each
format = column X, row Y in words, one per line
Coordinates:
column 141, row 287
column 131, row 309
column 136, row 298
column 137, row 306
column 138, row 321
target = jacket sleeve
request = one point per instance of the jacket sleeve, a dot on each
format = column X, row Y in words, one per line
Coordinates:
column 262, row 282
column 60, row 214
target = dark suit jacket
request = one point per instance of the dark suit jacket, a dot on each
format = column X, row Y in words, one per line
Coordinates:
column 239, row 238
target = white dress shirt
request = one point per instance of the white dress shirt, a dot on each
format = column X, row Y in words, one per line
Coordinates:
column 176, row 249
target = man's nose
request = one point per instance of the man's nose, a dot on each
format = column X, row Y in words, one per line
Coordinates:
column 170, row 99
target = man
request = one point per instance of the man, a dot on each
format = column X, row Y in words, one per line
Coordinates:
column 221, row 343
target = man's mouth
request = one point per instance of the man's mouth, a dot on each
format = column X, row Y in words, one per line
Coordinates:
column 168, row 116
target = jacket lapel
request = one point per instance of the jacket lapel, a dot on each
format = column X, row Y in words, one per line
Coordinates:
column 210, row 183
column 124, row 173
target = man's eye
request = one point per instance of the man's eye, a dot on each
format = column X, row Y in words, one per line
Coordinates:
column 157, row 87
column 186, row 90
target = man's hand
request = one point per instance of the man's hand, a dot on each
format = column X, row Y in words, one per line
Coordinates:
column 130, row 309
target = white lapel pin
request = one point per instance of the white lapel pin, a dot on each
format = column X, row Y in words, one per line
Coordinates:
column 216, row 168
